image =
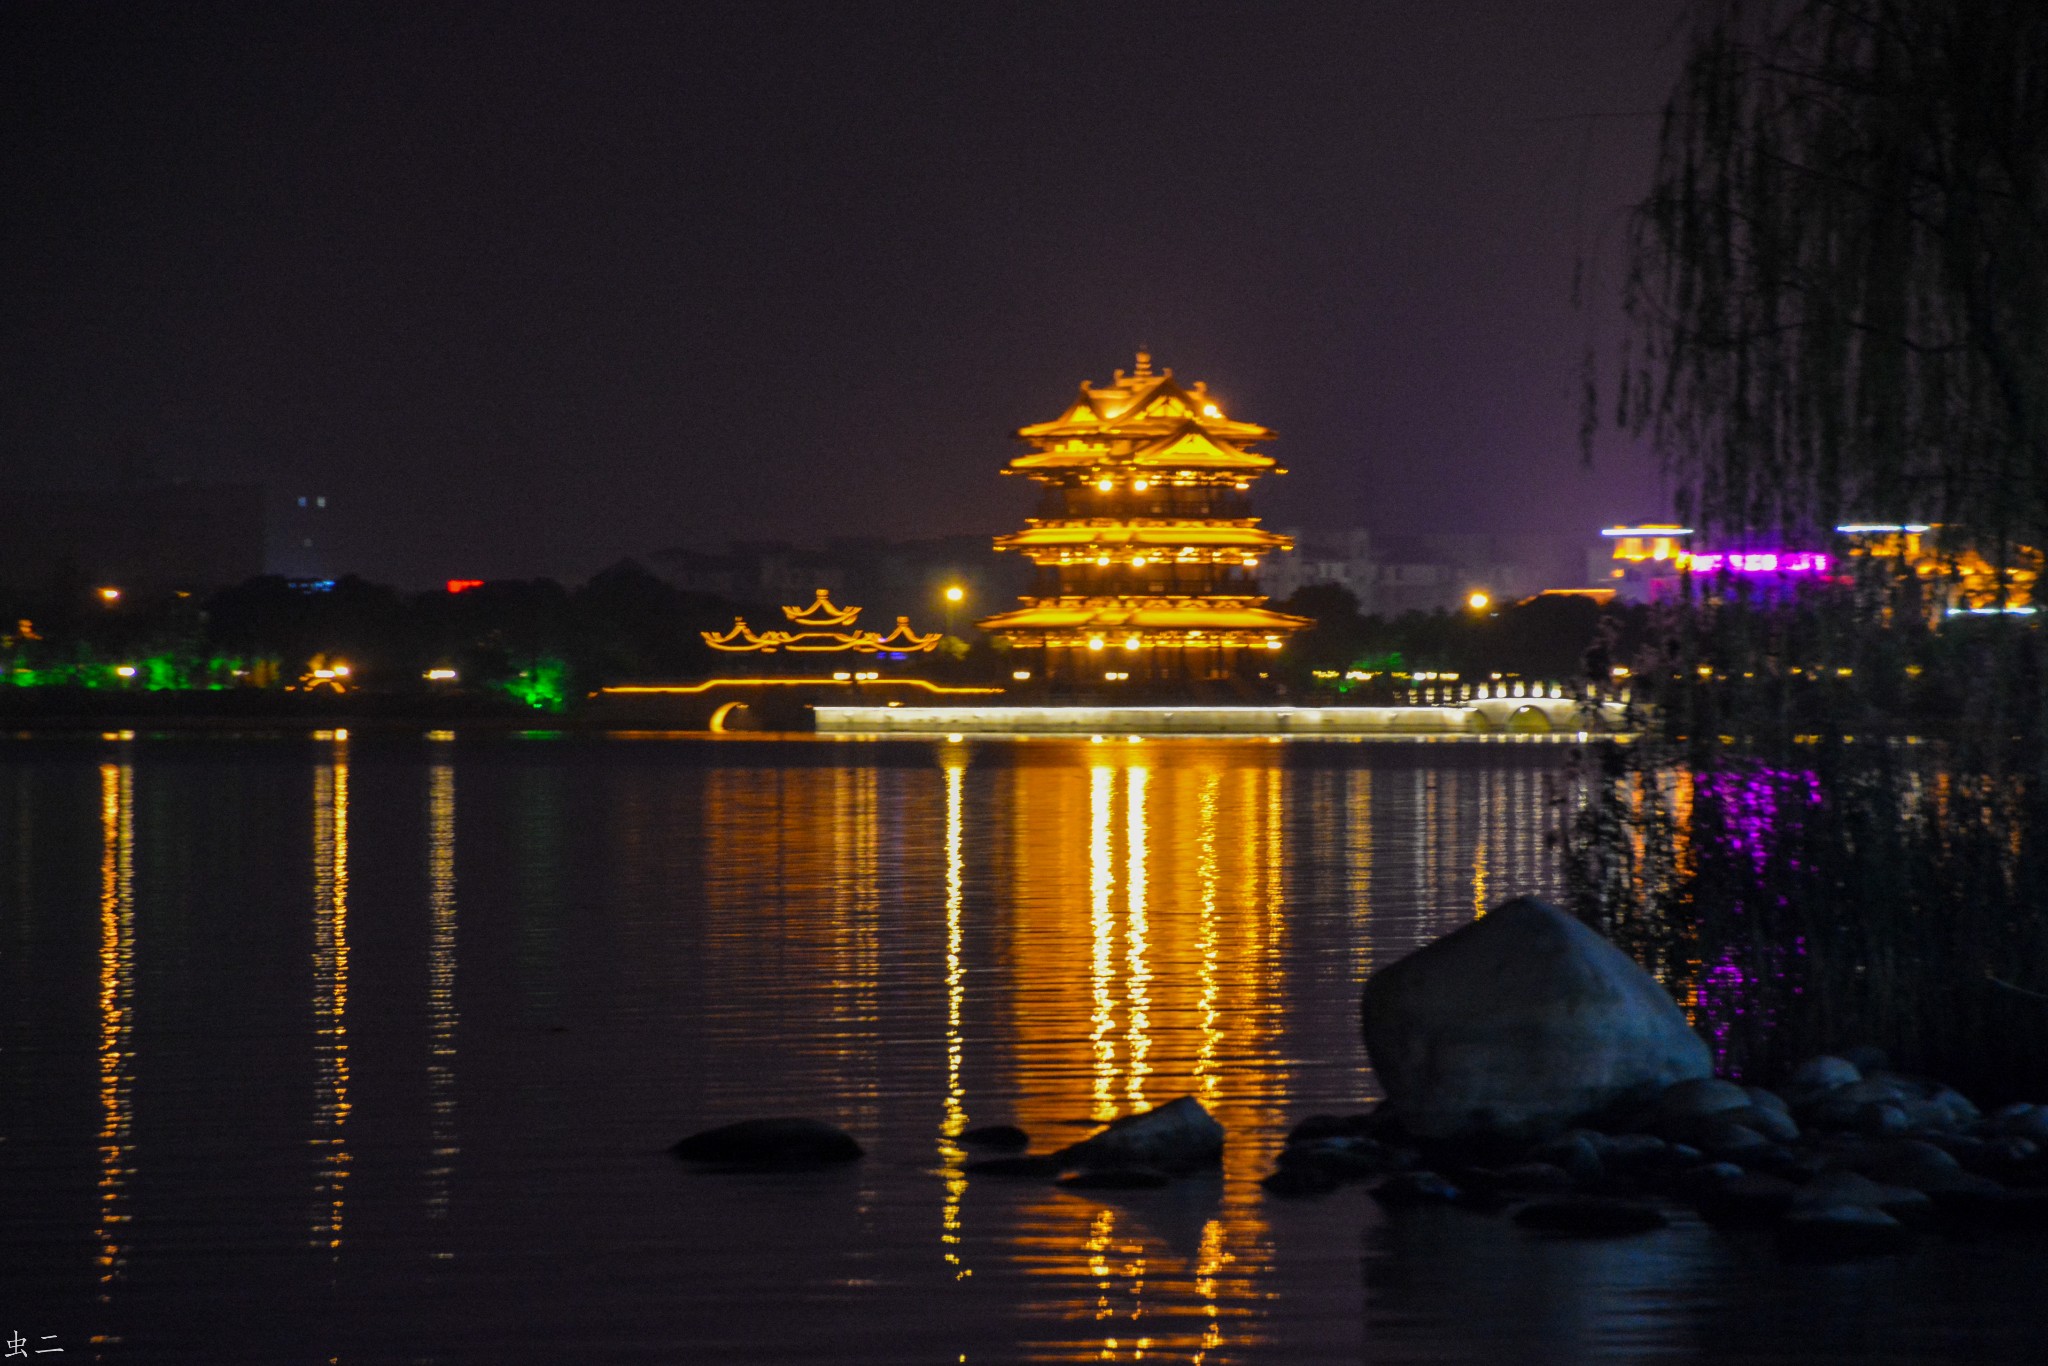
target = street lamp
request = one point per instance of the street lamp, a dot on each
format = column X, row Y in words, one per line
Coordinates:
column 1478, row 601
column 954, row 595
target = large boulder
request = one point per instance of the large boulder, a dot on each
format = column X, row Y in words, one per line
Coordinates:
column 1520, row 1024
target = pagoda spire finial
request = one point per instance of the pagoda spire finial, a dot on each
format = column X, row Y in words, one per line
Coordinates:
column 1144, row 370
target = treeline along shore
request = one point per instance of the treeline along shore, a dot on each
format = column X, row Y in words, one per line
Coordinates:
column 285, row 649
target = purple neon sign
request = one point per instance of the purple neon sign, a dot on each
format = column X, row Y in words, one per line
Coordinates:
column 1758, row 562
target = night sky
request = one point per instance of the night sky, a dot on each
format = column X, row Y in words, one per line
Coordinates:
column 525, row 288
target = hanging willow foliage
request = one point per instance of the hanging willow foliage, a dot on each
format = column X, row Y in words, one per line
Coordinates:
column 1838, row 291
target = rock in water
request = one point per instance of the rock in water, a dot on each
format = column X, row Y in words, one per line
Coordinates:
column 1841, row 1231
column 771, row 1143
column 1045, row 1165
column 1519, row 1024
column 1298, row 1183
column 1116, row 1179
column 1409, row 1189
column 1179, row 1136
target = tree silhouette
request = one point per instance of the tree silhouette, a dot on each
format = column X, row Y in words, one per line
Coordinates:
column 1838, row 297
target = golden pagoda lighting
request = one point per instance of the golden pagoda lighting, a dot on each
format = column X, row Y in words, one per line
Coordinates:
column 1148, row 539
column 816, row 637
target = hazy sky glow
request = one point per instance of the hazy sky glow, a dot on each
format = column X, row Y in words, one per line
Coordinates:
column 524, row 288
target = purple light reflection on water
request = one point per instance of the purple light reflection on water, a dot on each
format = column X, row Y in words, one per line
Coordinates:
column 1749, row 806
column 1748, row 817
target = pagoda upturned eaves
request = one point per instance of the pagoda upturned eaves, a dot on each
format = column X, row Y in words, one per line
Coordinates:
column 1144, row 542
column 817, row 635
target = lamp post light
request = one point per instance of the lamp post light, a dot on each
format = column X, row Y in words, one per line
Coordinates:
column 954, row 595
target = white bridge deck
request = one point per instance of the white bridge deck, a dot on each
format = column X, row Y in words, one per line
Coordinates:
column 1492, row 716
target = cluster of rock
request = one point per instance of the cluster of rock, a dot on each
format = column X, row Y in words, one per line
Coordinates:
column 1839, row 1161
column 1150, row 1148
column 1529, row 1065
column 1139, row 1151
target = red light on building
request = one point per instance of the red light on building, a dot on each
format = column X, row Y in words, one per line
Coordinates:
column 464, row 585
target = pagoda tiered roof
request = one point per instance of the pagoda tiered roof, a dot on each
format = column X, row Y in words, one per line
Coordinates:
column 1215, row 615
column 1240, row 538
column 1186, row 447
column 1147, row 421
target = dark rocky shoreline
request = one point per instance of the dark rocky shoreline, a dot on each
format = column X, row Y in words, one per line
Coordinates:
column 1840, row 1161
column 1533, row 1070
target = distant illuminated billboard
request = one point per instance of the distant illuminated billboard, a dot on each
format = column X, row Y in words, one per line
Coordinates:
column 1798, row 562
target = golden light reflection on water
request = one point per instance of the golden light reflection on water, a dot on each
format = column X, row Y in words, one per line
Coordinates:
column 1101, row 883
column 1479, row 848
column 1093, row 929
column 1210, row 1260
column 951, row 1155
column 798, row 866
column 1207, row 944
column 1138, row 1037
column 857, row 947
column 1428, row 876
column 441, row 1017
column 1358, row 866
column 116, row 1016
column 330, row 996
column 1179, row 972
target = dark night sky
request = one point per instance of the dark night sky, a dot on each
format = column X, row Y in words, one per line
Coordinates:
column 524, row 288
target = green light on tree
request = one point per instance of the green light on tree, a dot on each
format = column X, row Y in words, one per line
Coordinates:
column 543, row 685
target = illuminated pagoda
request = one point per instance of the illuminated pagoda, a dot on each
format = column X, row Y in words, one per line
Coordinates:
column 1144, row 543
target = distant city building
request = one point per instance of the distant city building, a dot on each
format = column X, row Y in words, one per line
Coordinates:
column 1956, row 577
column 145, row 540
column 303, row 548
column 1422, row 572
column 1641, row 561
column 1143, row 541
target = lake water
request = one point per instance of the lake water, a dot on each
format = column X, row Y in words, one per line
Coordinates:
column 368, row 1049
